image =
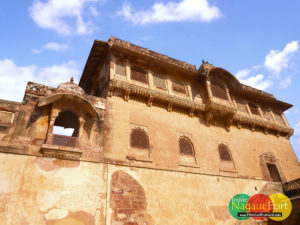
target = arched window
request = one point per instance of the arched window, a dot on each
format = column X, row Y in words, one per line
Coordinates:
column 138, row 74
column 186, row 146
column 224, row 153
column 139, row 138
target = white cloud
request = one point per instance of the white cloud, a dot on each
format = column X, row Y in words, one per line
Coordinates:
column 64, row 17
column 185, row 10
column 35, row 51
column 277, row 60
column 14, row 78
column 258, row 81
column 245, row 72
column 63, row 131
column 286, row 82
column 55, row 46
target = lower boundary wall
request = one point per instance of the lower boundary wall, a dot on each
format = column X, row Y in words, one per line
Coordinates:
column 38, row 191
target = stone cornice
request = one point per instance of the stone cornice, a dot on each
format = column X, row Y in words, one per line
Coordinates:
column 152, row 54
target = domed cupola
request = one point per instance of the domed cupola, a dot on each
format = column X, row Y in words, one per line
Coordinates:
column 70, row 87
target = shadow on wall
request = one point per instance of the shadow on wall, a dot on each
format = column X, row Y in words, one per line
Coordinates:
column 128, row 201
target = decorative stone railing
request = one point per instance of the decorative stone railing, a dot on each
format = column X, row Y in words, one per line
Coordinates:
column 63, row 140
column 292, row 188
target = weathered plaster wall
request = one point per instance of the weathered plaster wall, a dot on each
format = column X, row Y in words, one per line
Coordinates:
column 37, row 191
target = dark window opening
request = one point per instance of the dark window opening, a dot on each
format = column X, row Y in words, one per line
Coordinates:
column 267, row 114
column 66, row 122
column 186, row 146
column 120, row 69
column 159, row 81
column 274, row 173
column 196, row 92
column 254, row 109
column 138, row 74
column 278, row 117
column 218, row 91
column 66, row 129
column 241, row 105
column 139, row 138
column 224, row 153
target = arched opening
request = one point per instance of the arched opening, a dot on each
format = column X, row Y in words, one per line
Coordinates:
column 139, row 138
column 186, row 146
column 66, row 129
column 224, row 153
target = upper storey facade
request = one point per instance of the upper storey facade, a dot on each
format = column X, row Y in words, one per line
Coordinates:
column 209, row 92
column 136, row 107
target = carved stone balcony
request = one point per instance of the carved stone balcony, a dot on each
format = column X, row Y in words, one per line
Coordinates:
column 62, row 147
column 292, row 188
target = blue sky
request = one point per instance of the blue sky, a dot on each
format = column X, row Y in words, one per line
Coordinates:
column 48, row 41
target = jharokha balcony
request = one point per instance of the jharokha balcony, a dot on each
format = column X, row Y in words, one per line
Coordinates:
column 292, row 188
column 62, row 147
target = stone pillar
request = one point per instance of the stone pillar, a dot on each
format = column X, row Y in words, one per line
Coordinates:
column 273, row 116
column 228, row 96
column 260, row 112
column 80, row 130
column 249, row 111
column 169, row 86
column 208, row 89
column 189, row 89
column 150, row 80
column 53, row 117
column 128, row 72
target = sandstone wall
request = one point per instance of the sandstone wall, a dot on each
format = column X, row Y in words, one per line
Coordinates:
column 36, row 190
column 165, row 127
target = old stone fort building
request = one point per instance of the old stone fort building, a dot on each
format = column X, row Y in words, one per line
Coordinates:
column 155, row 141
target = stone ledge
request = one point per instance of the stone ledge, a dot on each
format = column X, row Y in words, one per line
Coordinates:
column 61, row 152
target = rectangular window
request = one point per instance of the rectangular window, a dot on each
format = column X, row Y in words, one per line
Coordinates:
column 218, row 91
column 120, row 69
column 278, row 117
column 6, row 117
column 138, row 74
column 241, row 105
column 159, row 81
column 267, row 114
column 274, row 173
column 254, row 109
column 178, row 86
column 196, row 92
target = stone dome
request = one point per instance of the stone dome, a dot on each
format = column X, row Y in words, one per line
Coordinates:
column 70, row 87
